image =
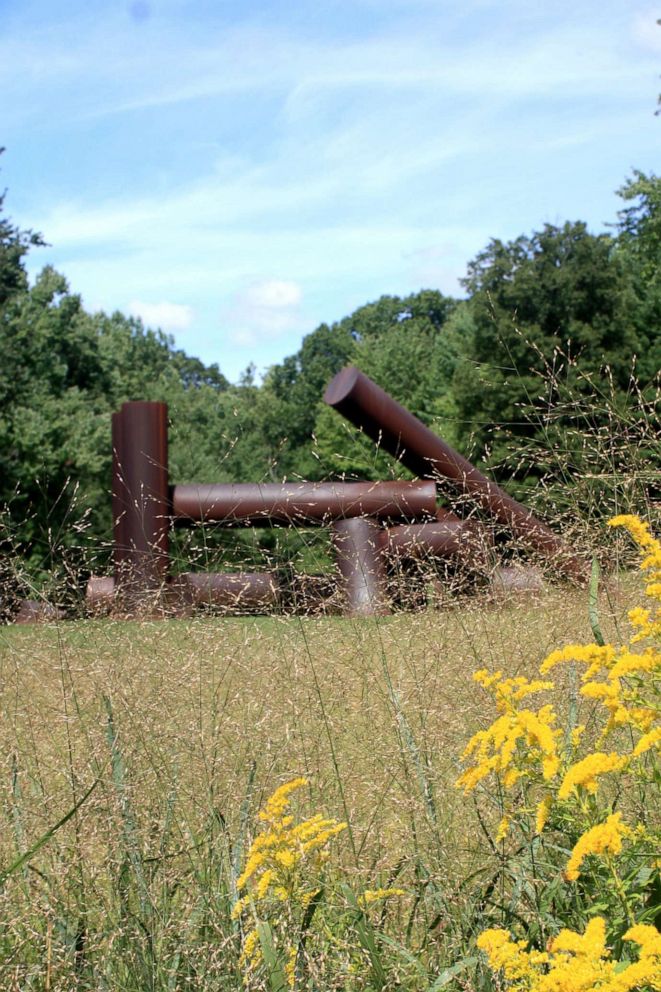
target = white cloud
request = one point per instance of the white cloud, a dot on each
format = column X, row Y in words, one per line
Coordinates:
column 647, row 30
column 272, row 295
column 168, row 316
column 265, row 310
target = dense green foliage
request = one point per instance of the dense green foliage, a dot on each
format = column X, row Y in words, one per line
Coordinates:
column 554, row 318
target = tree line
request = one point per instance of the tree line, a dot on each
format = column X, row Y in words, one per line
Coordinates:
column 557, row 329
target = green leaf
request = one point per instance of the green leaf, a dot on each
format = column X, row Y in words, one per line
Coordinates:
column 448, row 974
column 275, row 971
column 593, row 603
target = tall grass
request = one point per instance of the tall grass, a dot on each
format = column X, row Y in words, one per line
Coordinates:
column 186, row 726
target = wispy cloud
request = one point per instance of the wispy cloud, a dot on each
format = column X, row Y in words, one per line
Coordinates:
column 265, row 310
column 646, row 29
column 166, row 316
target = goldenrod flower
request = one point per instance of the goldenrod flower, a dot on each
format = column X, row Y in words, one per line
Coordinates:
column 647, row 741
column 542, row 813
column 290, row 967
column 583, row 774
column 275, row 868
column 604, row 838
column 279, row 801
column 575, row 962
column 593, row 655
column 252, row 952
column 503, row 829
column 592, row 942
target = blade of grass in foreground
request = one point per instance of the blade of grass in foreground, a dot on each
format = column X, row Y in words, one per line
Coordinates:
column 129, row 826
column 593, row 607
column 24, row 858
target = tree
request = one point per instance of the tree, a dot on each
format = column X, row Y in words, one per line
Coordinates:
column 551, row 312
column 639, row 242
column 14, row 246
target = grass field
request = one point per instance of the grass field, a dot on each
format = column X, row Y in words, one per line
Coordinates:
column 186, row 727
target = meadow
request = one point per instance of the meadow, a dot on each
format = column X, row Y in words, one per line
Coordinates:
column 182, row 729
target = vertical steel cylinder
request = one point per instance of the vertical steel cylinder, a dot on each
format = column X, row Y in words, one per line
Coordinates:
column 100, row 594
column 400, row 433
column 117, row 485
column 141, row 506
column 357, row 543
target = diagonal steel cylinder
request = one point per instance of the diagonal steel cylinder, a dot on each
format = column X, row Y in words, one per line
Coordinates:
column 399, row 432
column 304, row 502
column 361, row 565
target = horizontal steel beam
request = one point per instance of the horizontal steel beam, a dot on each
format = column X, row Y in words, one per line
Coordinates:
column 254, row 591
column 443, row 539
column 304, row 502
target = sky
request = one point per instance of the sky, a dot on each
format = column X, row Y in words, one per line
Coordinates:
column 236, row 173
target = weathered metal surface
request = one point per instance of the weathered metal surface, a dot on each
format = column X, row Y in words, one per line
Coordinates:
column 444, row 514
column 140, row 497
column 304, row 502
column 100, row 594
column 361, row 565
column 118, row 515
column 400, row 433
column 37, row 611
column 233, row 591
column 512, row 580
column 443, row 539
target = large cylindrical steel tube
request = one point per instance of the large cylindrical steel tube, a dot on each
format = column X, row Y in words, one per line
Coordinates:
column 304, row 502
column 464, row 540
column 241, row 591
column 361, row 565
column 100, row 594
column 399, row 432
column 140, row 494
column 118, row 515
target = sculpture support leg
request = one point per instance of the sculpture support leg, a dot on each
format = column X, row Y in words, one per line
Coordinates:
column 361, row 565
column 141, row 507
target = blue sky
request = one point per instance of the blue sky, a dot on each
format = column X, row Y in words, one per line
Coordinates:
column 239, row 172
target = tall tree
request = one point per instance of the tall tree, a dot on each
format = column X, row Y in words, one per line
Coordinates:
column 639, row 241
column 551, row 313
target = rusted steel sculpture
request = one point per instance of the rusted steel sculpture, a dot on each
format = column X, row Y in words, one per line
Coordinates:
column 304, row 503
column 400, row 433
column 248, row 592
column 361, row 565
column 140, row 500
column 144, row 506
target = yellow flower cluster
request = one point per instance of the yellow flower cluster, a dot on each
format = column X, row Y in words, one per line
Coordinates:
column 605, row 838
column 625, row 682
column 275, row 864
column 522, row 744
column 585, row 773
column 647, row 624
column 624, row 705
column 575, row 962
column 517, row 740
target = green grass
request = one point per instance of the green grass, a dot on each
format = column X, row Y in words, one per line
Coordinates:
column 186, row 726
